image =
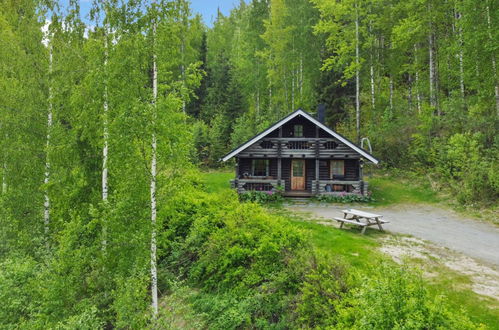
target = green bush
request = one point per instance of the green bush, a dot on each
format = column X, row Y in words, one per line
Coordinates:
column 470, row 171
column 241, row 258
column 261, row 197
column 87, row 320
column 324, row 288
column 250, row 247
column 393, row 297
column 17, row 279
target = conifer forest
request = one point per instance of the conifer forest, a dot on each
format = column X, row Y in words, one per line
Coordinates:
column 112, row 123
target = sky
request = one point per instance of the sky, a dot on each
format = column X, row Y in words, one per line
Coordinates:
column 207, row 8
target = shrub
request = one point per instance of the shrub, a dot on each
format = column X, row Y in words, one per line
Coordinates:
column 250, row 247
column 238, row 255
column 86, row 320
column 470, row 170
column 323, row 290
column 17, row 276
column 395, row 298
column 262, row 196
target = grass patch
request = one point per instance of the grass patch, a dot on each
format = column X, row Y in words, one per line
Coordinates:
column 457, row 289
column 176, row 311
column 389, row 189
column 356, row 251
column 217, row 181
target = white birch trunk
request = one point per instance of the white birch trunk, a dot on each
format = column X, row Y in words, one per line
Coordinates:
column 154, row 274
column 373, row 95
column 391, row 94
column 301, row 75
column 46, row 204
column 105, row 148
column 357, row 74
column 182, row 68
column 286, row 96
column 432, row 71
column 461, row 72
column 494, row 67
column 431, row 61
column 270, row 98
column 258, row 103
column 416, row 77
column 371, row 70
column 409, row 92
column 457, row 17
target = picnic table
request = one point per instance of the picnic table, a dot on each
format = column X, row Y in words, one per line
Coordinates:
column 361, row 218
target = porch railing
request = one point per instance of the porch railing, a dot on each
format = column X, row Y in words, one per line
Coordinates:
column 298, row 147
column 331, row 187
column 256, row 184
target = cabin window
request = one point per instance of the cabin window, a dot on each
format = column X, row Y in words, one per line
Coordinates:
column 298, row 131
column 330, row 145
column 260, row 167
column 337, row 169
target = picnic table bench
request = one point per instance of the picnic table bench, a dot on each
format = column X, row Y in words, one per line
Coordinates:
column 361, row 219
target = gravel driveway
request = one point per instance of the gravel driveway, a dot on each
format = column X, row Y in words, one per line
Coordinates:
column 442, row 227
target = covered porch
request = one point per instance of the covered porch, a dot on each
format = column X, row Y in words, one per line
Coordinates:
column 300, row 177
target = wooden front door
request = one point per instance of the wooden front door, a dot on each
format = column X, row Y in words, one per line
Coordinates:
column 298, row 174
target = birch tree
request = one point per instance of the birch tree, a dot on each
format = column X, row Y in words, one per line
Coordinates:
column 46, row 204
column 494, row 67
column 154, row 274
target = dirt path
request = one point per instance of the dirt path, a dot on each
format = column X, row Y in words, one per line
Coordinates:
column 443, row 227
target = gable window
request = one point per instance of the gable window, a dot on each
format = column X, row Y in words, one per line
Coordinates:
column 260, row 167
column 298, row 131
column 337, row 169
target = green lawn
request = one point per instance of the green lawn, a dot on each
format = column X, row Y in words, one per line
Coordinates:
column 354, row 249
column 217, row 181
column 386, row 189
column 396, row 190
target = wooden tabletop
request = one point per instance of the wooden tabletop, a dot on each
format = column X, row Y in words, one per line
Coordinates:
column 361, row 213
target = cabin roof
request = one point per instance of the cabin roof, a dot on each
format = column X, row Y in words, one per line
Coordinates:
column 292, row 115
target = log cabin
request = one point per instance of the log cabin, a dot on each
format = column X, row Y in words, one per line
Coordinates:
column 303, row 157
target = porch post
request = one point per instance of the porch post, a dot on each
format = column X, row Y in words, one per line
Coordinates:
column 279, row 158
column 317, row 175
column 317, row 162
column 361, row 176
column 237, row 168
column 279, row 173
column 317, row 155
